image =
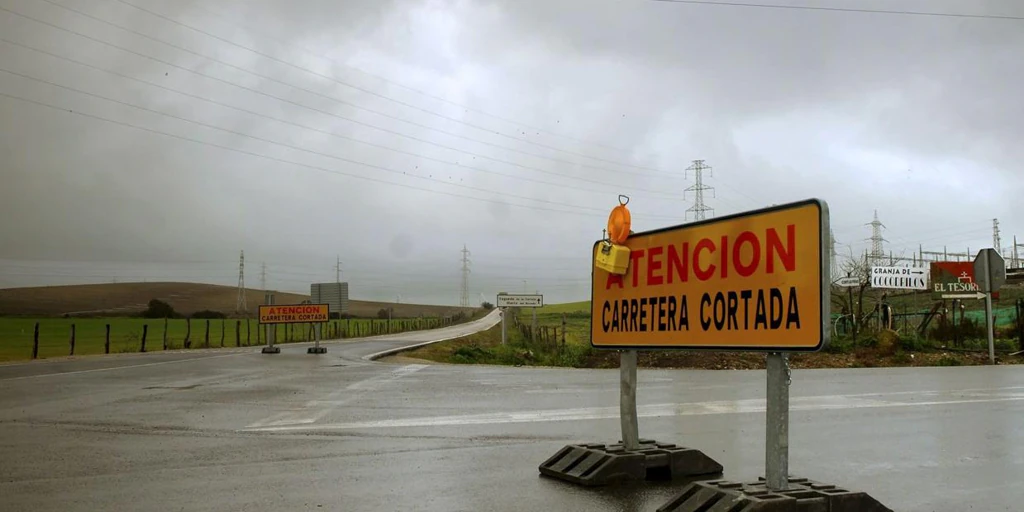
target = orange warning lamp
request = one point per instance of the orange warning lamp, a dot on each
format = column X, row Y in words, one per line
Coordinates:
column 619, row 222
column 612, row 256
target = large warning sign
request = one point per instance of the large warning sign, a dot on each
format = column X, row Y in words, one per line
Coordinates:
column 294, row 314
column 754, row 281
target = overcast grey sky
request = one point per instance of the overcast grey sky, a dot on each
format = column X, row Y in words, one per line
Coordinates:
column 391, row 133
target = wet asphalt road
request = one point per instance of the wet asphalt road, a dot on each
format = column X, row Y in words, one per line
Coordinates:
column 233, row 429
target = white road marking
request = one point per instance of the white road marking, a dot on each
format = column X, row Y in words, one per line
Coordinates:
column 813, row 403
column 335, row 399
column 125, row 367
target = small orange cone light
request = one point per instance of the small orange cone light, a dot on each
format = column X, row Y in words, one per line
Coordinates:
column 612, row 256
column 619, row 222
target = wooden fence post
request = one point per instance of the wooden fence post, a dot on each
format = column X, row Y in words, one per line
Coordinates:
column 35, row 342
column 72, row 341
column 145, row 330
column 206, row 338
column 563, row 330
column 222, row 322
column 188, row 333
column 106, row 343
column 238, row 333
column 165, row 332
column 247, row 338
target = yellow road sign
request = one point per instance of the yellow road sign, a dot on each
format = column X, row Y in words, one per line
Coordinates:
column 754, row 281
column 294, row 313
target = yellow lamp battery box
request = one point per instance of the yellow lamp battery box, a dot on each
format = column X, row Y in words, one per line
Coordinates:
column 612, row 258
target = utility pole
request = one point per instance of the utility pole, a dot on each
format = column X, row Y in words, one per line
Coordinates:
column 699, row 209
column 240, row 305
column 877, row 252
column 263, row 276
column 1016, row 257
column 464, row 295
column 997, row 241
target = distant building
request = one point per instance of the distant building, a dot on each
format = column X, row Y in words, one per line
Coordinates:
column 334, row 295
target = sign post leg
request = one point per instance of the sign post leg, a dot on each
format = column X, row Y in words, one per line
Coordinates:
column 627, row 400
column 777, row 428
column 504, row 325
column 317, row 334
column 991, row 328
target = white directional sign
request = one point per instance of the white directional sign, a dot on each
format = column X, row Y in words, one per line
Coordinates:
column 512, row 300
column 977, row 295
column 899, row 278
column 847, row 282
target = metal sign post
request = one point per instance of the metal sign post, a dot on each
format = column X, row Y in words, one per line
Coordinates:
column 504, row 325
column 270, row 330
column 991, row 329
column 990, row 274
column 317, row 335
column 627, row 400
column 777, row 426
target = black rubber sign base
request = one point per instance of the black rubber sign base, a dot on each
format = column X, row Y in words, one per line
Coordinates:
column 271, row 350
column 599, row 464
column 803, row 495
column 316, row 350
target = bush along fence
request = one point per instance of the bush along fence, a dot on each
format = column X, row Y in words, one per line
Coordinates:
column 41, row 338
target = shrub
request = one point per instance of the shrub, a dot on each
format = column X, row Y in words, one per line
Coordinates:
column 902, row 358
column 159, row 309
column 949, row 361
column 487, row 305
column 839, row 346
column 911, row 342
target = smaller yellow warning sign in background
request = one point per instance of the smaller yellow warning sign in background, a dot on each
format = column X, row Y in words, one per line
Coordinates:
column 294, row 313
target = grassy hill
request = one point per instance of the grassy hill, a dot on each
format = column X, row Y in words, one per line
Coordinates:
column 122, row 299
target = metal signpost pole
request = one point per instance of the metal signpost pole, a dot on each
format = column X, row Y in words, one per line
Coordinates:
column 270, row 328
column 986, row 288
column 627, row 400
column 990, row 274
column 777, row 427
column 504, row 324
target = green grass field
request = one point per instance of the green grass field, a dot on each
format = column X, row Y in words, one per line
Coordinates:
column 568, row 307
column 16, row 334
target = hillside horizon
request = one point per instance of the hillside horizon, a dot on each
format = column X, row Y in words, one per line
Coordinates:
column 132, row 297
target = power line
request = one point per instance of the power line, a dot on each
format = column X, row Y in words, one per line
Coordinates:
column 289, row 162
column 333, row 134
column 297, row 148
column 308, row 91
column 368, row 91
column 844, row 9
column 288, row 101
column 227, row 19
